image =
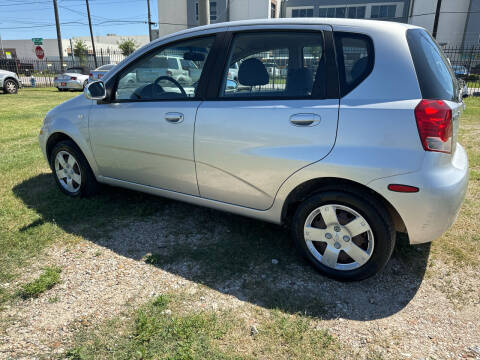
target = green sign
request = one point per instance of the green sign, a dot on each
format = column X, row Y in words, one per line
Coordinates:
column 37, row 41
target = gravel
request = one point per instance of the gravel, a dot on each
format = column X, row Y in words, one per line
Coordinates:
column 395, row 313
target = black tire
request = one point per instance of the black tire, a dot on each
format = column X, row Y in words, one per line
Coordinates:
column 60, row 89
column 10, row 86
column 89, row 185
column 371, row 210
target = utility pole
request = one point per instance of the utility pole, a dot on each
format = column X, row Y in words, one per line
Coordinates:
column 149, row 21
column 91, row 35
column 59, row 35
column 203, row 12
column 437, row 16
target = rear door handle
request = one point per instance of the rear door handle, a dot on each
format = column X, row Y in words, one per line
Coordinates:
column 174, row 117
column 305, row 119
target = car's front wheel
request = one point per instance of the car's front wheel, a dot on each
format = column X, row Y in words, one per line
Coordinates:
column 345, row 236
column 10, row 86
column 71, row 170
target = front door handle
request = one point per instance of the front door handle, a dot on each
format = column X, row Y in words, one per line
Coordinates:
column 305, row 119
column 174, row 117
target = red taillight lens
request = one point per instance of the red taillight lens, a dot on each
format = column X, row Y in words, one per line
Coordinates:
column 73, row 78
column 90, row 76
column 434, row 122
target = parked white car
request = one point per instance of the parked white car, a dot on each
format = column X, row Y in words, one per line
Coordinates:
column 9, row 82
column 344, row 155
column 99, row 72
column 74, row 78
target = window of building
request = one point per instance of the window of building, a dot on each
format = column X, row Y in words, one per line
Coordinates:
column 383, row 11
column 296, row 13
column 213, row 11
column 273, row 11
column 356, row 12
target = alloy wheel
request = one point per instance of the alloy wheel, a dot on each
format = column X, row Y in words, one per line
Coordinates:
column 338, row 237
column 68, row 171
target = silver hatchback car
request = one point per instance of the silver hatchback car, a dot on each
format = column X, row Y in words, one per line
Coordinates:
column 354, row 139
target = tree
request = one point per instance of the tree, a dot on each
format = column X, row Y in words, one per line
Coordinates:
column 127, row 46
column 80, row 50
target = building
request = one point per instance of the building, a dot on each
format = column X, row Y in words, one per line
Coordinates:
column 393, row 10
column 458, row 23
column 459, row 20
column 176, row 15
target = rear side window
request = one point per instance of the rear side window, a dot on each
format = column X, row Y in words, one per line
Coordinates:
column 355, row 57
column 276, row 64
column 434, row 73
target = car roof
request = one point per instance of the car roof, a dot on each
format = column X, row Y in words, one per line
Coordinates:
column 336, row 23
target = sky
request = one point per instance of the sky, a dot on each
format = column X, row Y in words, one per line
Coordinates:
column 26, row 19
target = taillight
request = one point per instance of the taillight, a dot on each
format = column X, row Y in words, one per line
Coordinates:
column 73, row 78
column 434, row 122
column 90, row 76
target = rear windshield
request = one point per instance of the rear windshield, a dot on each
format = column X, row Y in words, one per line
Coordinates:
column 435, row 75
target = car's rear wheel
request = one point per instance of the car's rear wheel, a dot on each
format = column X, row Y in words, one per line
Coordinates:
column 10, row 86
column 71, row 171
column 345, row 236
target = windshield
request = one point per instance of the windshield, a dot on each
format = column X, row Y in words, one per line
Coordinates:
column 74, row 70
column 105, row 67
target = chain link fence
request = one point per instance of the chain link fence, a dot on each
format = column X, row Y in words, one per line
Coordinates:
column 465, row 62
column 466, row 65
column 41, row 73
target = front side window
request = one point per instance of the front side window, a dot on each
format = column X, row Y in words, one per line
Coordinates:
column 158, row 76
column 276, row 64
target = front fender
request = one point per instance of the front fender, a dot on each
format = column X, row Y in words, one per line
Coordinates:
column 70, row 119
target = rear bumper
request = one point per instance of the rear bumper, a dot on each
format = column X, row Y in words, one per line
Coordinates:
column 430, row 212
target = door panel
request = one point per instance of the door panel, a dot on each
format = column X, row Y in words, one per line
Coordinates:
column 256, row 134
column 145, row 135
column 137, row 142
column 246, row 149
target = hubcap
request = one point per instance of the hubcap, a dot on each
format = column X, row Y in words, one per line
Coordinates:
column 11, row 86
column 339, row 237
column 68, row 171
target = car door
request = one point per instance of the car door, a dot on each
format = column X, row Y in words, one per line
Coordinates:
column 144, row 135
column 251, row 136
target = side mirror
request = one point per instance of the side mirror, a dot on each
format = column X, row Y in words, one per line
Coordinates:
column 95, row 91
column 231, row 85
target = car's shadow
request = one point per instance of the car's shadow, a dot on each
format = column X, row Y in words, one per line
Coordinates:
column 245, row 258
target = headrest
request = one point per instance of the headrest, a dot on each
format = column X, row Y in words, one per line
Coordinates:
column 359, row 67
column 252, row 72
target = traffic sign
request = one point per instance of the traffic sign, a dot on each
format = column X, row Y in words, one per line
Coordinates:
column 39, row 52
column 37, row 41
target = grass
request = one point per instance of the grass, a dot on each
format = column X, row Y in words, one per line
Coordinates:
column 34, row 215
column 47, row 280
column 166, row 328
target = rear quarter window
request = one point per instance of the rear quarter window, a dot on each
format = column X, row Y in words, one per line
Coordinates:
column 355, row 57
column 435, row 75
